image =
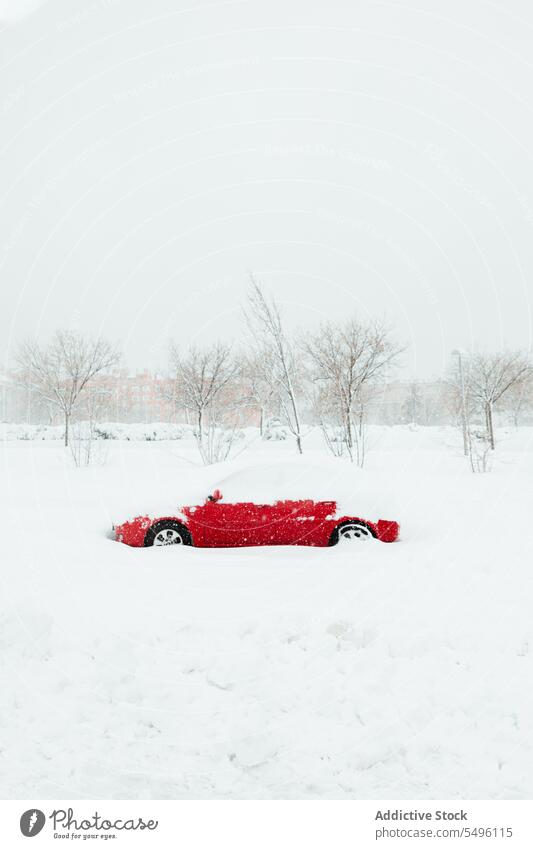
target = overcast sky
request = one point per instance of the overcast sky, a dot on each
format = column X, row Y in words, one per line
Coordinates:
column 359, row 157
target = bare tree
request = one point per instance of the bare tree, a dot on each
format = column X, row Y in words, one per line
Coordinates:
column 348, row 359
column 435, row 402
column 518, row 401
column 325, row 412
column 61, row 372
column 489, row 377
column 95, row 404
column 202, row 377
column 257, row 385
column 413, row 405
column 278, row 350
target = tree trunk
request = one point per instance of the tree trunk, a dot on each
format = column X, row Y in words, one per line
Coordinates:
column 464, row 430
column 296, row 419
column 490, row 426
column 261, row 421
column 67, row 421
column 200, row 425
column 349, row 437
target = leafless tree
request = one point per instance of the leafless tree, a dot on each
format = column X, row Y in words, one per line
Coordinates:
column 202, row 377
column 257, row 385
column 489, row 377
column 518, row 401
column 61, row 372
column 278, row 350
column 325, row 412
column 414, row 402
column 434, row 402
column 95, row 404
column 348, row 358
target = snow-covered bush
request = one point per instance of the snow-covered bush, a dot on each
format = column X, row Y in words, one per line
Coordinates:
column 479, row 450
column 25, row 432
column 216, row 443
column 104, row 432
column 275, row 431
column 101, row 431
column 151, row 432
column 85, row 447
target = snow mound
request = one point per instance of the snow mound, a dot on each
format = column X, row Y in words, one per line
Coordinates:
column 355, row 490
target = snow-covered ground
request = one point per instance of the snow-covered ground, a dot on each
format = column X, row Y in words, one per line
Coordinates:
column 379, row 671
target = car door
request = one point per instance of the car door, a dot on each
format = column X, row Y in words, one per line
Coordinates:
column 305, row 522
column 221, row 525
column 293, row 522
column 216, row 524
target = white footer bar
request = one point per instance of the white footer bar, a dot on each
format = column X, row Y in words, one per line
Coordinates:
column 267, row 824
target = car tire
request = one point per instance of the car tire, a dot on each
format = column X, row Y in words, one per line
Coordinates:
column 167, row 532
column 353, row 531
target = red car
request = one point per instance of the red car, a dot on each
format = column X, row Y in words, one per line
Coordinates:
column 217, row 524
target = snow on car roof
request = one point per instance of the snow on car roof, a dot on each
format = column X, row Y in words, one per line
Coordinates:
column 274, row 481
column 330, row 480
column 361, row 492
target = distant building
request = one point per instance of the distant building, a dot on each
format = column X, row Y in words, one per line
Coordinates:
column 143, row 397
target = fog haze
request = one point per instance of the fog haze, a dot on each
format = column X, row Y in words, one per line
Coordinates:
column 357, row 157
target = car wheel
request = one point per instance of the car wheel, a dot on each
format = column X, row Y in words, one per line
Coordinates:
column 167, row 532
column 351, row 532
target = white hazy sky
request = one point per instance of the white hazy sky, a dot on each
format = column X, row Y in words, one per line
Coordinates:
column 357, row 156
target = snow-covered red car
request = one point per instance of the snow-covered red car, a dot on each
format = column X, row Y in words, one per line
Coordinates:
column 221, row 523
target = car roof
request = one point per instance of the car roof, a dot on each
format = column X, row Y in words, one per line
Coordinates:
column 357, row 492
column 267, row 483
